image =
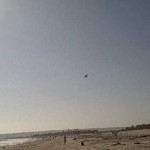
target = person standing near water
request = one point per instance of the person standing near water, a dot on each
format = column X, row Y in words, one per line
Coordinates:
column 64, row 139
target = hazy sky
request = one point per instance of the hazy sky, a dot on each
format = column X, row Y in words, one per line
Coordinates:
column 47, row 46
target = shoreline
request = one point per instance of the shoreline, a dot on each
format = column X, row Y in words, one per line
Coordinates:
column 136, row 139
column 15, row 141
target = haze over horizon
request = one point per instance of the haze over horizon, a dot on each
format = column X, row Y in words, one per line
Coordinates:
column 46, row 48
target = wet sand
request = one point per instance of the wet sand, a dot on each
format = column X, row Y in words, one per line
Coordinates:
column 129, row 140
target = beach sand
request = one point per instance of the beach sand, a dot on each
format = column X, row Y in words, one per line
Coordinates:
column 129, row 140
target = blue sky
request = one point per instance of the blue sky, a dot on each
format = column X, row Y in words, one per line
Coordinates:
column 46, row 47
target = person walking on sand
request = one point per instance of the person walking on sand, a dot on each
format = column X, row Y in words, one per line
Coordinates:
column 64, row 139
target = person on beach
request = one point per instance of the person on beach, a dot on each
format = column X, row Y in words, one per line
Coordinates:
column 64, row 139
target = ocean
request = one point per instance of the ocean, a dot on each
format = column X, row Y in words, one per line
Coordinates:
column 6, row 142
column 18, row 138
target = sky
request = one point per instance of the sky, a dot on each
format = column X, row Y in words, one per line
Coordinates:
column 46, row 48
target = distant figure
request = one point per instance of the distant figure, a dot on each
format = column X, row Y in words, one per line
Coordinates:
column 82, row 143
column 64, row 139
column 86, row 75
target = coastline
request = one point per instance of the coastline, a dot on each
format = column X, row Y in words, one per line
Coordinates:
column 15, row 141
column 136, row 139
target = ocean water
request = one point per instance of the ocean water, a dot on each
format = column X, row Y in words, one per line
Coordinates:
column 6, row 142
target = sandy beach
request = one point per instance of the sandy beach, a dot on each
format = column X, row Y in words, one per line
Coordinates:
column 129, row 140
